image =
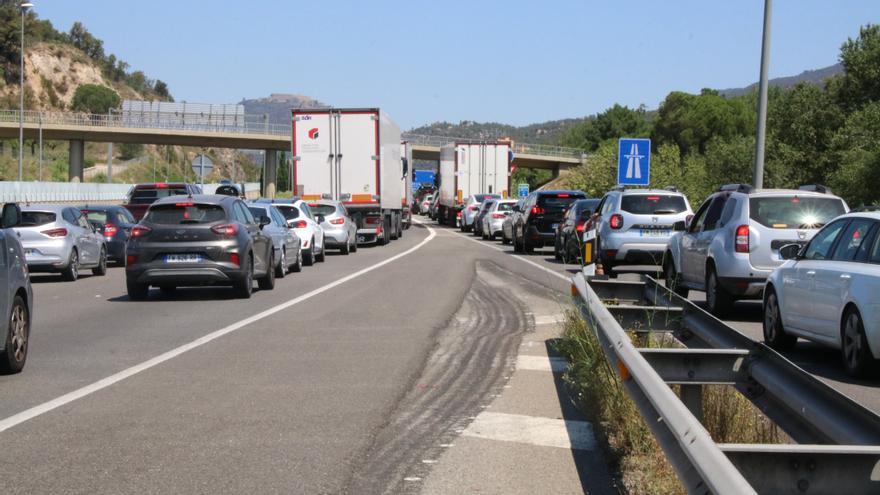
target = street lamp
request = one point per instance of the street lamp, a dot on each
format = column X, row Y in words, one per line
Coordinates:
column 762, row 99
column 24, row 7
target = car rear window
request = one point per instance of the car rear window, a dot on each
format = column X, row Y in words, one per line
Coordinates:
column 505, row 206
column 36, row 218
column 652, row 204
column 319, row 209
column 558, row 201
column 257, row 212
column 185, row 213
column 587, row 207
column 290, row 212
column 149, row 195
column 95, row 216
column 482, row 197
column 793, row 212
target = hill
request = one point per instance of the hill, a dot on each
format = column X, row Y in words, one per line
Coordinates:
column 543, row 133
column 816, row 77
column 278, row 106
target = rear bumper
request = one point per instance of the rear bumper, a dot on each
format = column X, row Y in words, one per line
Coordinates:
column 336, row 237
column 637, row 253
column 214, row 274
column 746, row 288
column 367, row 236
column 534, row 237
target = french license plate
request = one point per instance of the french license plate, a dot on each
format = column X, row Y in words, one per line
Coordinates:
column 183, row 258
column 654, row 233
column 362, row 238
column 555, row 225
column 28, row 252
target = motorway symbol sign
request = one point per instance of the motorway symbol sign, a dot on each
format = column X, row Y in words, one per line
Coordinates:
column 522, row 190
column 202, row 166
column 633, row 162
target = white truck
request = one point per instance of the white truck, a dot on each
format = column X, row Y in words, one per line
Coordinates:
column 351, row 155
column 467, row 169
column 406, row 156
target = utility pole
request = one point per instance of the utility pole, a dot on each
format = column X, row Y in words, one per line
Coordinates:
column 762, row 99
column 24, row 6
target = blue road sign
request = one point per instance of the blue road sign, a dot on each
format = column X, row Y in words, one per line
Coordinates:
column 523, row 190
column 633, row 162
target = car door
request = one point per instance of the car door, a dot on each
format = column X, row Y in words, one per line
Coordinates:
column 7, row 262
column 705, row 237
column 688, row 252
column 94, row 240
column 316, row 227
column 79, row 233
column 262, row 243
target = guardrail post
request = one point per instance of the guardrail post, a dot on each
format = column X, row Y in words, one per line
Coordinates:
column 692, row 397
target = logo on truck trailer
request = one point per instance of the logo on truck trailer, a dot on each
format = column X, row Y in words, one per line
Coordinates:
column 313, row 133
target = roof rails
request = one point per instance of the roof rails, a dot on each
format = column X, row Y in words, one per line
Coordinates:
column 671, row 188
column 618, row 188
column 742, row 188
column 866, row 208
column 819, row 188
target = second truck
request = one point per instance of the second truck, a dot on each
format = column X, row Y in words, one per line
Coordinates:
column 467, row 169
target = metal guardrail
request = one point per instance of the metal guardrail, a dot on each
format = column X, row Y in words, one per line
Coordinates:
column 81, row 192
column 525, row 148
column 838, row 438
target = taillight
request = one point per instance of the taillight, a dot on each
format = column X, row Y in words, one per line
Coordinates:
column 498, row 215
column 580, row 225
column 458, row 215
column 299, row 224
column 616, row 221
column 140, row 231
column 742, row 239
column 474, row 208
column 234, row 259
column 110, row 230
column 372, row 221
column 61, row 232
column 130, row 259
column 537, row 210
column 337, row 221
column 228, row 229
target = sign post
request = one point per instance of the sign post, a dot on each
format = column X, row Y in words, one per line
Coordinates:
column 202, row 166
column 633, row 162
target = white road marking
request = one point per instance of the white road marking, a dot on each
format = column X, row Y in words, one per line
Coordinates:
column 532, row 430
column 17, row 419
column 412, row 478
column 524, row 260
column 549, row 319
column 541, row 363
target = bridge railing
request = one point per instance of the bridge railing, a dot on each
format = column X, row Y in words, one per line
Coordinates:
column 523, row 148
column 82, row 192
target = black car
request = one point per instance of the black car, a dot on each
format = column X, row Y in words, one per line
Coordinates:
column 199, row 240
column 114, row 223
column 478, row 219
column 536, row 221
column 568, row 234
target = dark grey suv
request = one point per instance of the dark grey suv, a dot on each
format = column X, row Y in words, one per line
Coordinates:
column 199, row 240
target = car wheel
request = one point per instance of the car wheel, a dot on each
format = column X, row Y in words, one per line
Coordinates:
column 718, row 301
column 309, row 255
column 854, row 349
column 14, row 355
column 346, row 248
column 267, row 281
column 504, row 239
column 386, row 232
column 774, row 333
column 321, row 255
column 354, row 245
column 281, row 268
column 245, row 287
column 136, row 291
column 71, row 273
column 673, row 279
column 298, row 264
column 516, row 246
column 101, row 269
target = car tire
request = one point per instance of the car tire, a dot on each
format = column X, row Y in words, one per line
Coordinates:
column 18, row 329
column 71, row 272
column 386, row 232
column 354, row 245
column 774, row 332
column 516, row 246
column 346, row 248
column 298, row 264
column 320, row 257
column 718, row 301
column 504, row 239
column 854, row 350
column 673, row 279
column 267, row 281
column 101, row 269
column 281, row 268
column 136, row 291
column 309, row 255
column 245, row 287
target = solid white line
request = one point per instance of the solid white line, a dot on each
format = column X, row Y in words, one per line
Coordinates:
column 533, row 430
column 45, row 407
column 524, row 260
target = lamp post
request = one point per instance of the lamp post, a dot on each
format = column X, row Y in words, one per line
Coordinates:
column 762, row 99
column 24, row 7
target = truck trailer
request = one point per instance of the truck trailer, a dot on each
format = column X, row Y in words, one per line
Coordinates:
column 351, row 155
column 406, row 153
column 471, row 168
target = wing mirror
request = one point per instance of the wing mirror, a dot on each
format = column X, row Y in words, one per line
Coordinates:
column 11, row 216
column 319, row 218
column 790, row 251
column 264, row 220
column 679, row 226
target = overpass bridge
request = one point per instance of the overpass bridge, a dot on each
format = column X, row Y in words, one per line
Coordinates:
column 249, row 132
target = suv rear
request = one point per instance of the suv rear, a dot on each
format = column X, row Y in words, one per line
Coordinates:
column 732, row 244
column 141, row 196
column 541, row 213
column 634, row 225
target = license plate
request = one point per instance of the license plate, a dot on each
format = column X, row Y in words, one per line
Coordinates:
column 555, row 225
column 654, row 233
column 29, row 251
column 362, row 238
column 183, row 258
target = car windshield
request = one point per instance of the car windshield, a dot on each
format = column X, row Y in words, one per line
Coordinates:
column 36, row 218
column 257, row 212
column 322, row 209
column 149, row 195
column 652, row 204
column 558, row 201
column 185, row 213
column 794, row 212
column 289, row 211
column 96, row 216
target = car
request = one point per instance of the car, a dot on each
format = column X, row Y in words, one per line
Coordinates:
column 633, row 226
column 434, row 208
column 58, row 238
column 405, row 219
column 199, row 240
column 425, row 205
column 141, row 196
column 470, row 209
column 732, row 243
column 497, row 213
column 17, row 301
column 507, row 224
column 114, row 222
column 307, row 227
column 340, row 231
column 826, row 292
column 534, row 224
column 285, row 242
column 478, row 218
column 576, row 219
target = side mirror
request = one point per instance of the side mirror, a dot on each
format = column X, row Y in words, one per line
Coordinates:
column 11, row 216
column 96, row 226
column 319, row 218
column 790, row 251
column 679, row 226
column 264, row 220
column 687, row 220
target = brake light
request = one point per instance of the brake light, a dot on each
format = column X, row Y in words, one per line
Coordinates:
column 110, row 230
column 234, row 259
column 229, row 229
column 580, row 226
column 61, row 232
column 653, row 198
column 184, row 205
column 161, row 185
column 130, row 259
column 537, row 210
column 372, row 221
column 313, row 205
column 140, row 231
column 299, row 224
column 562, row 195
column 458, row 215
column 616, row 221
column 498, row 215
column 337, row 221
column 742, row 239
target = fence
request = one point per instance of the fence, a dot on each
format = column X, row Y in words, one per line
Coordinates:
column 523, row 148
column 82, row 192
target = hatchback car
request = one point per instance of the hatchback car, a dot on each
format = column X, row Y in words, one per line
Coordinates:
column 495, row 216
column 288, row 256
column 17, row 300
column 633, row 226
column 114, row 223
column 199, row 240
column 426, row 204
column 58, row 238
column 507, row 223
column 534, row 225
column 577, row 218
column 470, row 209
column 307, row 226
column 732, row 244
column 481, row 213
column 827, row 292
column 340, row 231
column 434, row 208
column 141, row 196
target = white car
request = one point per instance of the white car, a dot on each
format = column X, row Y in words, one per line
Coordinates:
column 828, row 291
column 306, row 225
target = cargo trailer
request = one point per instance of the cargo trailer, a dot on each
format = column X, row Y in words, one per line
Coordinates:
column 471, row 168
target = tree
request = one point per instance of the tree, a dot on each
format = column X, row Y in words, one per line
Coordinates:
column 857, row 149
column 161, row 89
column 93, row 98
column 616, row 122
column 690, row 121
column 861, row 62
column 81, row 38
column 127, row 151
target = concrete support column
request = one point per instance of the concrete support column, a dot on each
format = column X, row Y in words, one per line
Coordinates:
column 77, row 157
column 270, row 173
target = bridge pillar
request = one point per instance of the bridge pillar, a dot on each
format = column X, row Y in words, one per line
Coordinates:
column 77, row 157
column 270, row 173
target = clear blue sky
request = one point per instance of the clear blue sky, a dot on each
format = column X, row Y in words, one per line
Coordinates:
column 515, row 62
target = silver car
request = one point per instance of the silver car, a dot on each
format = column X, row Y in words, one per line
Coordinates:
column 16, row 299
column 470, row 209
column 340, row 231
column 59, row 238
column 507, row 222
column 285, row 242
column 497, row 213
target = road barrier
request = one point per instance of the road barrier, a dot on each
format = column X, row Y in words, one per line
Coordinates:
column 838, row 449
column 83, row 192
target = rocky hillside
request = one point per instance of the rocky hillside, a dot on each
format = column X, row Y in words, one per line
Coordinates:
column 278, row 106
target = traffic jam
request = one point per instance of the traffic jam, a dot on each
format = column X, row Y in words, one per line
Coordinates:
column 811, row 261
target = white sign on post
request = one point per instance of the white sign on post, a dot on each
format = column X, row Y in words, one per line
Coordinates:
column 202, row 166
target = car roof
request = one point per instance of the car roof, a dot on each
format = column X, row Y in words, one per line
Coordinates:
column 560, row 191
column 277, row 201
column 873, row 215
column 650, row 191
column 46, row 207
column 779, row 192
column 197, row 198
